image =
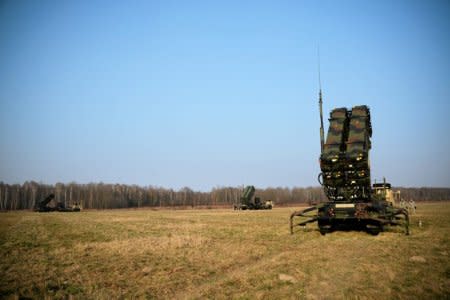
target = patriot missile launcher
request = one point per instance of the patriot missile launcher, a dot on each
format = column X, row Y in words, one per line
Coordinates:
column 345, row 177
column 44, row 206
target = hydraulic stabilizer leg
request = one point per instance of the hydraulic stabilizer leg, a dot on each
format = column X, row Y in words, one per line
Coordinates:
column 302, row 213
column 404, row 212
column 398, row 217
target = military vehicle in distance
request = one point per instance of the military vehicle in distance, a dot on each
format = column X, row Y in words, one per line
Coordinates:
column 345, row 176
column 43, row 206
column 249, row 201
column 384, row 190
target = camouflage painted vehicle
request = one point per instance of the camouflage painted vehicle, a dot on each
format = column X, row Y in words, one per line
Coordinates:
column 249, row 201
column 344, row 161
column 44, row 206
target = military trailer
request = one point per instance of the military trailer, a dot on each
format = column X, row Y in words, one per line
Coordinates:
column 44, row 206
column 249, row 201
column 353, row 203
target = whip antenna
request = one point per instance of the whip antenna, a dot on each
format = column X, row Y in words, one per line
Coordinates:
column 320, row 102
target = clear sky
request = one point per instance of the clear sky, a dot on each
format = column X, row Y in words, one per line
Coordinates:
column 218, row 93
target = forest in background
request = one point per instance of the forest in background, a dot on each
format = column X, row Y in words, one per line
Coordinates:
column 107, row 196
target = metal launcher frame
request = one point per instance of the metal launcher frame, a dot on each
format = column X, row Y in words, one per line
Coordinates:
column 345, row 177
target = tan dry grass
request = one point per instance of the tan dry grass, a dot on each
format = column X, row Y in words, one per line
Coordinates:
column 191, row 254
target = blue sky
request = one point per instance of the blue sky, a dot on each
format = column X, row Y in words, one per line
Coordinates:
column 218, row 93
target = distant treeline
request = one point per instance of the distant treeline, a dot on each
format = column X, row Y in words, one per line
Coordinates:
column 105, row 196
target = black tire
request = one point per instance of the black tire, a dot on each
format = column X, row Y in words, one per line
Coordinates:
column 324, row 227
column 374, row 229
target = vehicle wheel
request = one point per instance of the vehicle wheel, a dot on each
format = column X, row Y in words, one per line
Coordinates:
column 374, row 229
column 324, row 227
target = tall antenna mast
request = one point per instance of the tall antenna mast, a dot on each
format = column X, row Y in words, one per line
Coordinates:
column 320, row 104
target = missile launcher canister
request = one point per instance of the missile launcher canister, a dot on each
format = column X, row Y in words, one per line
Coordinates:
column 345, row 158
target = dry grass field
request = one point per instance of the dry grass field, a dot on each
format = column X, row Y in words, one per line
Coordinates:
column 191, row 254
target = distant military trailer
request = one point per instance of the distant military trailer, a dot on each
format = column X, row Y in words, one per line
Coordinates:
column 43, row 206
column 345, row 177
column 249, row 201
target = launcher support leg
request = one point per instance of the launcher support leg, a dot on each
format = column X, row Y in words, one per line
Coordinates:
column 400, row 217
column 301, row 213
column 404, row 212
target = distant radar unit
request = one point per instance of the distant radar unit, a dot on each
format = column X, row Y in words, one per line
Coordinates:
column 249, row 201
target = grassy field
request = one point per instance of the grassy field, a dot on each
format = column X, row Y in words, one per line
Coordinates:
column 188, row 254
